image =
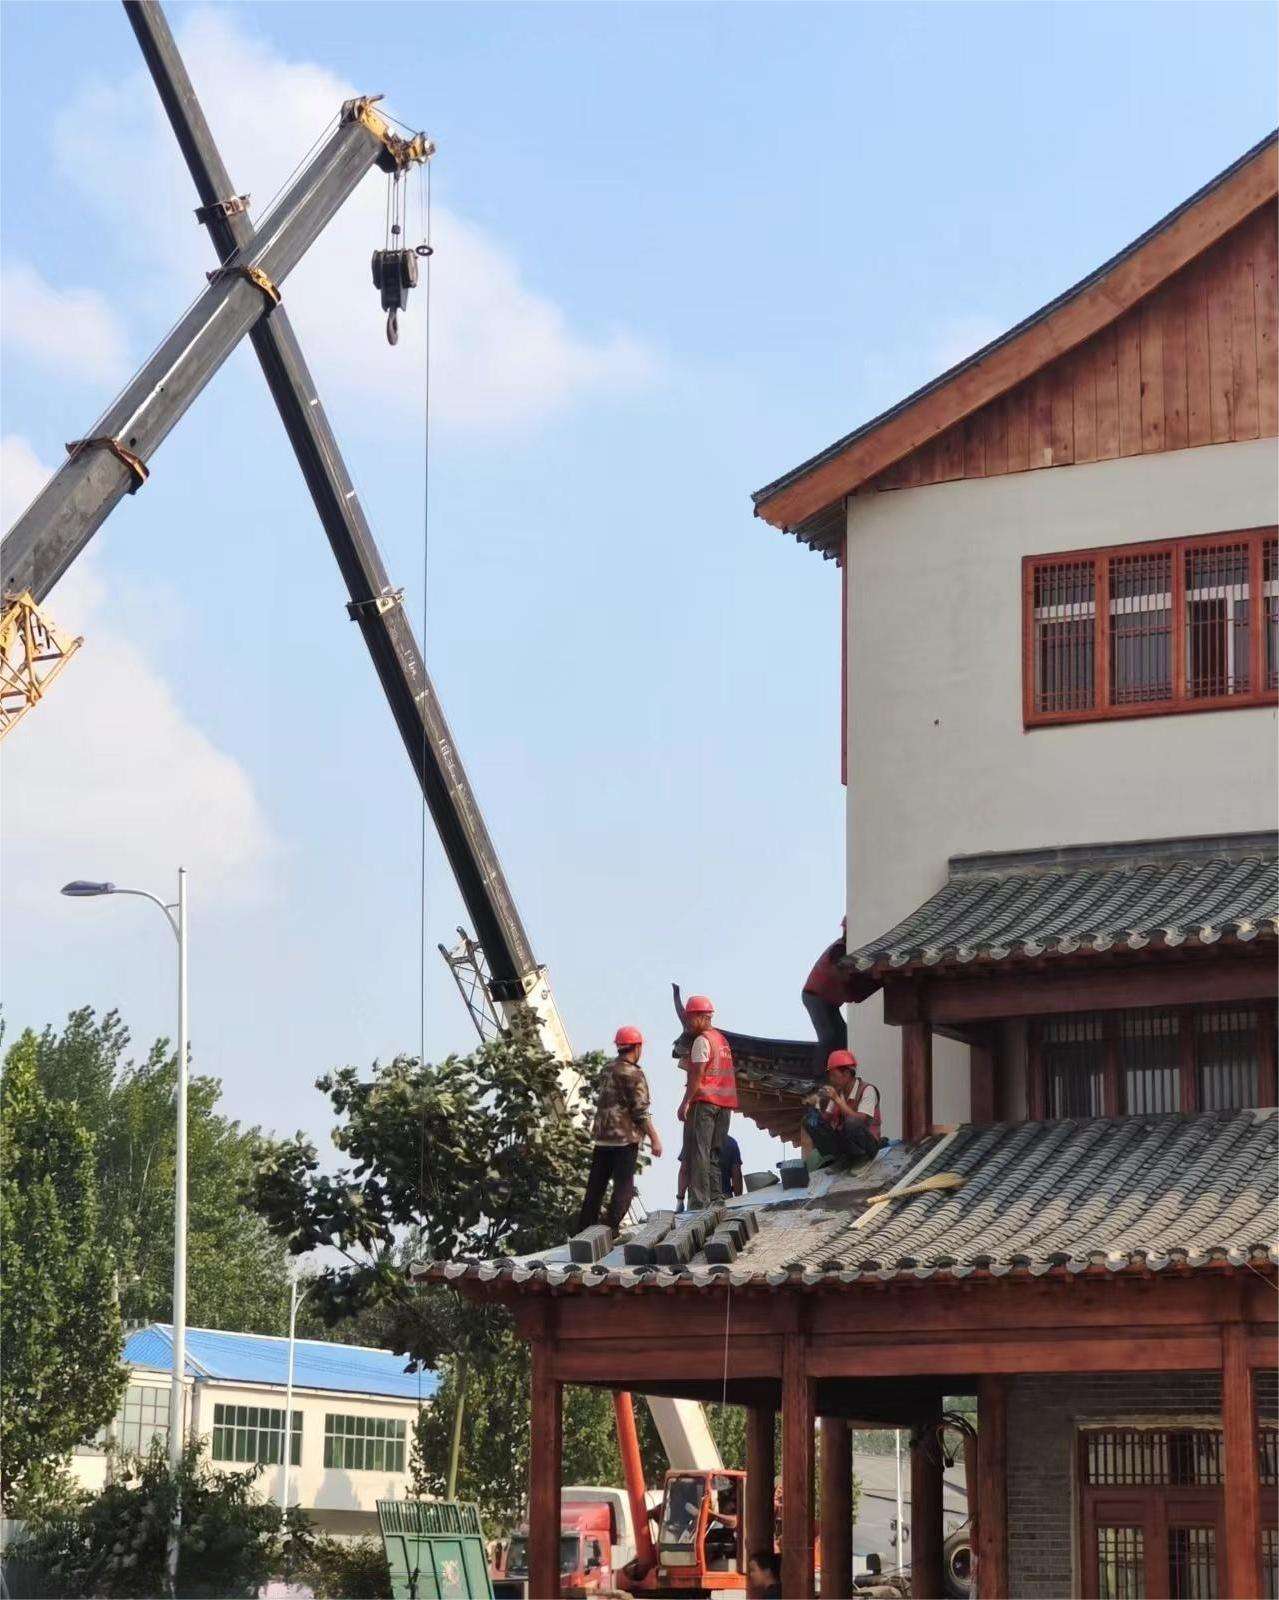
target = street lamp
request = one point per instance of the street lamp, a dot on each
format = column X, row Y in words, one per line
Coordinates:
column 287, row 1457
column 176, row 916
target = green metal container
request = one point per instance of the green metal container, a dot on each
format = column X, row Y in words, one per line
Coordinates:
column 435, row 1549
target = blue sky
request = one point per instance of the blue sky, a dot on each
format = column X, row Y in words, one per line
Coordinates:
column 680, row 247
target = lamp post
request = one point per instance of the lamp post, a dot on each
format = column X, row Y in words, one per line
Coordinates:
column 287, row 1459
column 176, row 916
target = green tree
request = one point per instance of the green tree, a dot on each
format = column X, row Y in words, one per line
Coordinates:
column 237, row 1272
column 114, row 1543
column 475, row 1156
column 59, row 1318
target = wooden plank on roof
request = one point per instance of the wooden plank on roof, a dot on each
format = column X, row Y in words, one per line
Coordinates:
column 1018, row 433
column 1085, row 384
column 1152, row 375
column 975, row 446
column 1221, row 363
column 1244, row 332
column 1084, row 314
column 1063, row 424
column 1266, row 290
column 1041, row 420
column 1173, row 305
column 1129, row 358
column 1198, row 384
column 1106, row 374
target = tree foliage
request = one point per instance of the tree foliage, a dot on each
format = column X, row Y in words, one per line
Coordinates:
column 59, row 1319
column 346, row 1569
column 114, row 1543
column 237, row 1275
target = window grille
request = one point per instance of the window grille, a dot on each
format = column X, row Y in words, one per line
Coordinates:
column 1270, row 1563
column 254, row 1433
column 1153, row 627
column 1121, row 1563
column 1147, row 1062
column 1227, row 1057
column 1149, row 1457
column 142, row 1417
column 364, row 1444
column 1192, row 1563
column 1268, row 1445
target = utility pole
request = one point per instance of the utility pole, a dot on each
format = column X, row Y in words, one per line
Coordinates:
column 111, row 461
column 375, row 604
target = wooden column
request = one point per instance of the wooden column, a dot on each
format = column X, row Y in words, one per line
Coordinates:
column 545, row 1470
column 991, row 1499
column 837, row 1509
column 926, row 1537
column 1241, row 1500
column 761, row 1479
column 797, row 1470
column 917, row 1080
column 983, row 1094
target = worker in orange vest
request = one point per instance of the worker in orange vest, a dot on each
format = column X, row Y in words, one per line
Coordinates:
column 843, row 1122
column 709, row 1098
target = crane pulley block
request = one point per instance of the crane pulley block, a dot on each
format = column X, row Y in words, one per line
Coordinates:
column 394, row 274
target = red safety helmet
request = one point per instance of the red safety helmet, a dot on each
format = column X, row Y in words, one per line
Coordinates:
column 698, row 1005
column 841, row 1061
column 627, row 1036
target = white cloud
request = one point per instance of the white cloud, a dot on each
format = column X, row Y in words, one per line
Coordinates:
column 503, row 353
column 72, row 333
column 108, row 776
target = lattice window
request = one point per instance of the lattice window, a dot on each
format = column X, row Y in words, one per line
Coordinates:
column 1148, row 628
column 143, row 1416
column 1121, row 1563
column 1270, row 1563
column 1192, row 1563
column 254, row 1433
column 1152, row 1457
column 1145, row 1062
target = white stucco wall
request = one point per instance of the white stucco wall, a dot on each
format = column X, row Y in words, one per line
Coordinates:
column 340, row 1500
column 938, row 761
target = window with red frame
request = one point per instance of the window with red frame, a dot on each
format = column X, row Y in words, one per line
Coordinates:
column 1136, row 630
column 1130, row 1063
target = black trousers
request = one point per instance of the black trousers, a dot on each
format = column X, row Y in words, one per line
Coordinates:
column 829, row 1026
column 615, row 1162
column 852, row 1139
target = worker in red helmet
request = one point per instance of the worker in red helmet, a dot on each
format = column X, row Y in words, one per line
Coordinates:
column 828, row 988
column 843, row 1122
column 622, row 1123
column 709, row 1099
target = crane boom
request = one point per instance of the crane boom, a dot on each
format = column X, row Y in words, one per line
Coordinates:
column 111, row 462
column 514, row 978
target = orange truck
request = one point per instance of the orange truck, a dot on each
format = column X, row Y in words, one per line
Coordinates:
column 595, row 1542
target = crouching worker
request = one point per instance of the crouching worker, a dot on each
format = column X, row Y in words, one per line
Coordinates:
column 843, row 1123
column 622, row 1123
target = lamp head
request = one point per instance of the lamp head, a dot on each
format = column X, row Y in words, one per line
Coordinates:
column 82, row 888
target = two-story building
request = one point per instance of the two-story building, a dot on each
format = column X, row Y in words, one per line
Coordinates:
column 1061, row 647
column 354, row 1410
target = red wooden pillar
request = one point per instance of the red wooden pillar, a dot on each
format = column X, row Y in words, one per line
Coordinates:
column 926, row 1536
column 837, row 1509
column 991, row 1499
column 917, row 1080
column 545, row 1470
column 761, row 1478
column 1241, row 1566
column 797, row 1470
column 983, row 1094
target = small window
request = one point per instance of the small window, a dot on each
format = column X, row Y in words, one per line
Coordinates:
column 1150, row 628
column 364, row 1444
column 247, row 1434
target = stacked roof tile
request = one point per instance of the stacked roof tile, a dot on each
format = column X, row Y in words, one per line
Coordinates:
column 1105, row 1194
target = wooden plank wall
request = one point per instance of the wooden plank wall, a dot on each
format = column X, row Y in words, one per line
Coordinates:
column 1194, row 363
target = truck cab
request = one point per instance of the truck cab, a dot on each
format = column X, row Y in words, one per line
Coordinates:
column 588, row 1542
column 699, row 1545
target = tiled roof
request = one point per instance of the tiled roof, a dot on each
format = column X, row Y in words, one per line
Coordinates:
column 261, row 1358
column 1107, row 1194
column 1087, row 900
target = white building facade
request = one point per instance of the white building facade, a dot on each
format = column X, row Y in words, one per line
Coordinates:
column 354, row 1411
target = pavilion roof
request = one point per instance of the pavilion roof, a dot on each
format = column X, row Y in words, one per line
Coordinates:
column 1086, row 900
column 1182, row 1192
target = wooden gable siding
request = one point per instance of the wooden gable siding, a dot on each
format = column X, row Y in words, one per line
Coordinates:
column 1193, row 363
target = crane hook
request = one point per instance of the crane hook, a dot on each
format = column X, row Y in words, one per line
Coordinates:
column 393, row 325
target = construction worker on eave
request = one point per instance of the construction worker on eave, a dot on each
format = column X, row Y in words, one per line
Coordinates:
column 840, row 1121
column 622, row 1123
column 709, row 1097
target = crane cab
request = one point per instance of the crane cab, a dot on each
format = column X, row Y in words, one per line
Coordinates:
column 699, row 1539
